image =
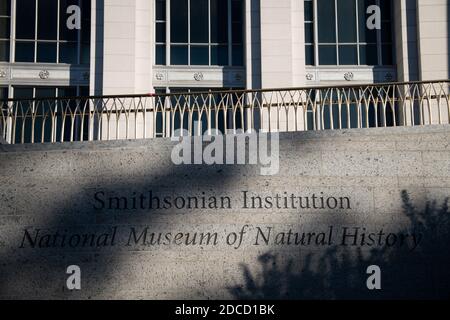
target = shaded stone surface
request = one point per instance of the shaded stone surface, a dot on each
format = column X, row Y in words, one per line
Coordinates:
column 49, row 192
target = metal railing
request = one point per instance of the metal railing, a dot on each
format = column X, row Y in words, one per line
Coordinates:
column 288, row 109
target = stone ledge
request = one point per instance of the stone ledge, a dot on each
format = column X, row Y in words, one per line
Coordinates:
column 284, row 136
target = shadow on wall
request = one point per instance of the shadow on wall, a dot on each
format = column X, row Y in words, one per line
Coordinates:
column 448, row 37
column 340, row 273
column 37, row 274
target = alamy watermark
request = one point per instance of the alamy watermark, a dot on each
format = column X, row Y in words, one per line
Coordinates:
column 235, row 148
column 74, row 280
column 73, row 22
column 374, row 20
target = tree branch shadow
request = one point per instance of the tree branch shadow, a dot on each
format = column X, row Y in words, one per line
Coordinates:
column 340, row 272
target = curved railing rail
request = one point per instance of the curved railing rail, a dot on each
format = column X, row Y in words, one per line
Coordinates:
column 214, row 112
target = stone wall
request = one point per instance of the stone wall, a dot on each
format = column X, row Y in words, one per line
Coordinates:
column 81, row 204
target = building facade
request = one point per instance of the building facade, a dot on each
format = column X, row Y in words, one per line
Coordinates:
column 143, row 46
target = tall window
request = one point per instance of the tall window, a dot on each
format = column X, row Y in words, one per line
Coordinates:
column 3, row 93
column 309, row 32
column 42, row 34
column 160, row 32
column 336, row 33
column 202, row 32
column 5, row 22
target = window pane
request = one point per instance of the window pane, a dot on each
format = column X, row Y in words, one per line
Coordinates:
column 179, row 21
column 68, row 53
column 85, row 33
column 179, row 55
column 25, row 16
column 4, row 50
column 24, row 51
column 64, row 32
column 160, row 32
column 159, row 130
column 3, row 93
column 161, row 10
column 219, row 21
column 67, row 92
column 309, row 33
column 327, row 55
column 237, row 11
column 368, row 55
column 309, row 49
column 387, row 55
column 45, row 92
column 348, row 55
column 159, row 91
column 365, row 34
column 4, row 28
column 84, row 91
column 160, row 55
column 199, row 21
column 385, row 6
column 309, row 11
column 5, row 7
column 238, row 55
column 23, row 93
column 237, row 33
column 327, row 19
column 386, row 32
column 47, row 19
column 85, row 53
column 86, row 13
column 86, row 21
column 199, row 55
column 347, row 20
column 237, row 18
column 46, row 52
column 219, row 55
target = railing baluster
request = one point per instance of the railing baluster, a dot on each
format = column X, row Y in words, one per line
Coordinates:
column 290, row 109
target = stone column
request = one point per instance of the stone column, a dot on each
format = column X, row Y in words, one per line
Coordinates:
column 144, row 46
column 406, row 46
column 122, row 58
column 122, row 47
column 276, row 43
column 433, row 34
column 119, row 47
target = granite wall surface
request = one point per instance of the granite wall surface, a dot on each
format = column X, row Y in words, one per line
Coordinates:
column 139, row 226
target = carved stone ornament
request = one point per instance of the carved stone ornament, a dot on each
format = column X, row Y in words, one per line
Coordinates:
column 44, row 74
column 349, row 76
column 309, row 76
column 2, row 74
column 198, row 76
column 159, row 76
